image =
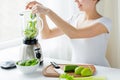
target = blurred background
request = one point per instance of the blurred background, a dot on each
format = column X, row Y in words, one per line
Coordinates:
column 11, row 27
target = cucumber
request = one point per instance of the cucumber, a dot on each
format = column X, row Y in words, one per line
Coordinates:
column 69, row 68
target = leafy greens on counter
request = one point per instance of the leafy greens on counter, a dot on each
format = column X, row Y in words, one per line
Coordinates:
column 69, row 77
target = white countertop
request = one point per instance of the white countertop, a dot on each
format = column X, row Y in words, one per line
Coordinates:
column 15, row 74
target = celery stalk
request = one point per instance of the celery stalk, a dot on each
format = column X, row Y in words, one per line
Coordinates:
column 69, row 77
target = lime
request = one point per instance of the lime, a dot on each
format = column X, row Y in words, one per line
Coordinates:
column 86, row 72
column 78, row 70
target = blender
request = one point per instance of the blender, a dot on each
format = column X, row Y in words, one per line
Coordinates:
column 31, row 48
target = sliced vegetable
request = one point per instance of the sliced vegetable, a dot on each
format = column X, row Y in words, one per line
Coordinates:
column 31, row 31
column 30, row 62
column 66, row 77
column 69, row 77
column 32, row 16
column 86, row 72
column 69, row 68
column 78, row 70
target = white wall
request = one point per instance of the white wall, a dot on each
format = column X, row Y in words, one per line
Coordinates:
column 118, row 3
column 113, row 53
column 109, row 8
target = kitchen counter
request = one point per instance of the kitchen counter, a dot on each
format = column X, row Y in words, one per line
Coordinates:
column 15, row 74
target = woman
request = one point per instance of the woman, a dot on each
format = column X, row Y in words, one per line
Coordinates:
column 89, row 36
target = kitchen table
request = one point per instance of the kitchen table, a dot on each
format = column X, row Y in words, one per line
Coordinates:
column 15, row 74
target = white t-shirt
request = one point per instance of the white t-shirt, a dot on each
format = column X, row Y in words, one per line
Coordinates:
column 91, row 50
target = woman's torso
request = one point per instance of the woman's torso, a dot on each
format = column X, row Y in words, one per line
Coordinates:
column 90, row 50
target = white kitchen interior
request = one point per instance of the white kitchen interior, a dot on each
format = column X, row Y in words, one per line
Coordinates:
column 11, row 29
column 11, row 32
column 56, row 49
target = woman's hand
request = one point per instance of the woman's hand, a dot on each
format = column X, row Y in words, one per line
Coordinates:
column 31, row 4
column 37, row 7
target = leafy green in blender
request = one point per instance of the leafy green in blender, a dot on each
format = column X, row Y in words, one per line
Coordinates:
column 32, row 16
column 31, row 30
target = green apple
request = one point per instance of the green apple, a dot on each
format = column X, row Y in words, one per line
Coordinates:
column 86, row 72
column 78, row 70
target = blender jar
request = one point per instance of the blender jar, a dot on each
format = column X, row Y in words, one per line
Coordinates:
column 32, row 25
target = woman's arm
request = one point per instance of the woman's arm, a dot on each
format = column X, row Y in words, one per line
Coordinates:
column 72, row 32
column 47, row 32
column 87, row 32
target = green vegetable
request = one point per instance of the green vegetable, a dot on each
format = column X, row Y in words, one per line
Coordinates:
column 27, row 64
column 32, row 16
column 22, row 63
column 30, row 62
column 66, row 76
column 78, row 70
column 69, row 68
column 86, row 72
column 31, row 30
column 69, row 77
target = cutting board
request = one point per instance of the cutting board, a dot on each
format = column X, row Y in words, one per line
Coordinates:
column 50, row 72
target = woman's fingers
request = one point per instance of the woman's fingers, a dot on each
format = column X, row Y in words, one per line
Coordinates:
column 31, row 4
column 37, row 9
column 34, row 9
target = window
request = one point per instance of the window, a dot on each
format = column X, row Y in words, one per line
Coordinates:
column 11, row 22
column 10, row 19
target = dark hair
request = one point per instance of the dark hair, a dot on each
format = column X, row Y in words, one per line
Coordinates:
column 98, row 1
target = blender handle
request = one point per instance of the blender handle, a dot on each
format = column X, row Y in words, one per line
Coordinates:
column 39, row 22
